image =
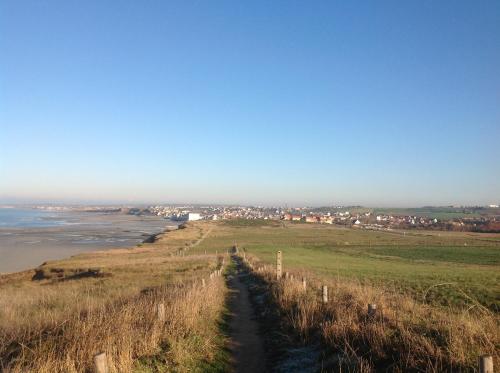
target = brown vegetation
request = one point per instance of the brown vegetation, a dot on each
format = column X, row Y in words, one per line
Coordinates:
column 49, row 325
column 404, row 335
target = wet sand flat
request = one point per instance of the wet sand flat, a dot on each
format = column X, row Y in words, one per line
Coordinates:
column 24, row 248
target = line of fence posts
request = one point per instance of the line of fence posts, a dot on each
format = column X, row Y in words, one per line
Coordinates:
column 100, row 359
column 485, row 363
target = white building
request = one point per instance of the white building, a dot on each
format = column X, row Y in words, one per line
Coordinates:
column 192, row 216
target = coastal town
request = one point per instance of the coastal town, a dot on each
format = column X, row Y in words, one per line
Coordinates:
column 477, row 218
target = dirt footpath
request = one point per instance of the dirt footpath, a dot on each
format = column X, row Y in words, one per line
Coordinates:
column 245, row 342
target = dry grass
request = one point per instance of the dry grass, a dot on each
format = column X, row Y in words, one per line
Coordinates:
column 405, row 335
column 57, row 325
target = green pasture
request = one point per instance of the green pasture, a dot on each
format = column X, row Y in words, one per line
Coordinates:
column 457, row 267
column 441, row 213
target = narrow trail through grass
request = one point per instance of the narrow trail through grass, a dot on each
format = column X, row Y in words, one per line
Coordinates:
column 245, row 343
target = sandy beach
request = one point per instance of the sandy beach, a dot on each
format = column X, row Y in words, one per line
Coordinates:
column 23, row 248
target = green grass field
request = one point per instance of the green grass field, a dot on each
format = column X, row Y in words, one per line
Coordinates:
column 450, row 268
column 442, row 213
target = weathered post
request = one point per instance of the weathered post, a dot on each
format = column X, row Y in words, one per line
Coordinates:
column 304, row 283
column 287, row 275
column 486, row 364
column 325, row 294
column 202, row 282
column 161, row 312
column 279, row 266
column 372, row 310
column 101, row 363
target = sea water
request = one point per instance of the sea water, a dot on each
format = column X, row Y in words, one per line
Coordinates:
column 26, row 218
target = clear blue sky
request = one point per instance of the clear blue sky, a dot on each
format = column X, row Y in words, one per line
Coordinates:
column 390, row 103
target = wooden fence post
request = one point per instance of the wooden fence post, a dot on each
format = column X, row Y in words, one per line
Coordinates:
column 325, row 294
column 279, row 265
column 372, row 309
column 304, row 283
column 486, row 364
column 161, row 312
column 202, row 282
column 101, row 363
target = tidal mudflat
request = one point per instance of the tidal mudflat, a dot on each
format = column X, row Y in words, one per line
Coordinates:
column 24, row 247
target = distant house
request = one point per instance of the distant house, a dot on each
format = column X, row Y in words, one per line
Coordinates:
column 327, row 220
column 312, row 219
column 292, row 217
